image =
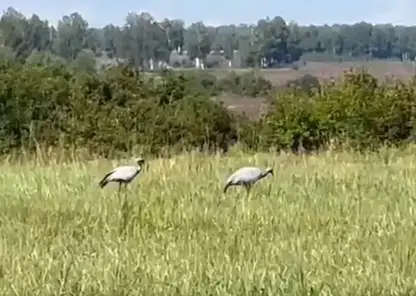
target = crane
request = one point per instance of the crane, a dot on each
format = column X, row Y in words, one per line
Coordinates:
column 247, row 176
column 123, row 174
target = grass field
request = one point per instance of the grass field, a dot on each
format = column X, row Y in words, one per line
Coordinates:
column 333, row 224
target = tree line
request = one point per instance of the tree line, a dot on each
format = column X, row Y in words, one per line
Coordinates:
column 120, row 109
column 147, row 43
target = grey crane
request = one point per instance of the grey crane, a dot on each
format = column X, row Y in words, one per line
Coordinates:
column 123, row 174
column 246, row 177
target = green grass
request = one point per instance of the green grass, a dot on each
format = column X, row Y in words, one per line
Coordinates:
column 334, row 224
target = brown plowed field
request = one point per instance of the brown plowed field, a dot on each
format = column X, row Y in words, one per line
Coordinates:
column 324, row 71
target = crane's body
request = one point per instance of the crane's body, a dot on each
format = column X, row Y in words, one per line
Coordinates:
column 246, row 177
column 123, row 174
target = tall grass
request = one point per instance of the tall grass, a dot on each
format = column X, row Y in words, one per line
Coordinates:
column 333, row 224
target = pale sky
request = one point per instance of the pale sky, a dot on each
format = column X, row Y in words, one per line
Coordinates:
column 215, row 12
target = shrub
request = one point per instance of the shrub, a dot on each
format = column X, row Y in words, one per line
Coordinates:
column 246, row 84
column 307, row 83
column 360, row 112
column 200, row 82
column 118, row 111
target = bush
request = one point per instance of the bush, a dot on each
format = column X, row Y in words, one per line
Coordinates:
column 201, row 82
column 307, row 83
column 360, row 112
column 118, row 111
column 246, row 84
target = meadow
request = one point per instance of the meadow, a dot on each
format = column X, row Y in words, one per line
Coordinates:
column 335, row 223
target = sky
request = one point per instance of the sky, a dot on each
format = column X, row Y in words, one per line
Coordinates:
column 217, row 12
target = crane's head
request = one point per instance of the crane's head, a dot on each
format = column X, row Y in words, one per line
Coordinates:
column 269, row 171
column 140, row 161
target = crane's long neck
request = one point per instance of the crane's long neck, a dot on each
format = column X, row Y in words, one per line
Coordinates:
column 264, row 174
column 138, row 170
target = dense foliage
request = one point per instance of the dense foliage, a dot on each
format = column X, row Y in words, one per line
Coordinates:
column 146, row 43
column 360, row 112
column 49, row 106
column 121, row 109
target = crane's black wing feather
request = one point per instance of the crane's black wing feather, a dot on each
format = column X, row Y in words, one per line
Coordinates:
column 104, row 181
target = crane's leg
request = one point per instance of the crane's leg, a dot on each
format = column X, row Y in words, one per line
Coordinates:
column 247, row 186
column 120, row 188
column 125, row 193
column 125, row 190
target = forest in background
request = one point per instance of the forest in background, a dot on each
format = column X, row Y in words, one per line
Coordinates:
column 54, row 95
column 147, row 43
